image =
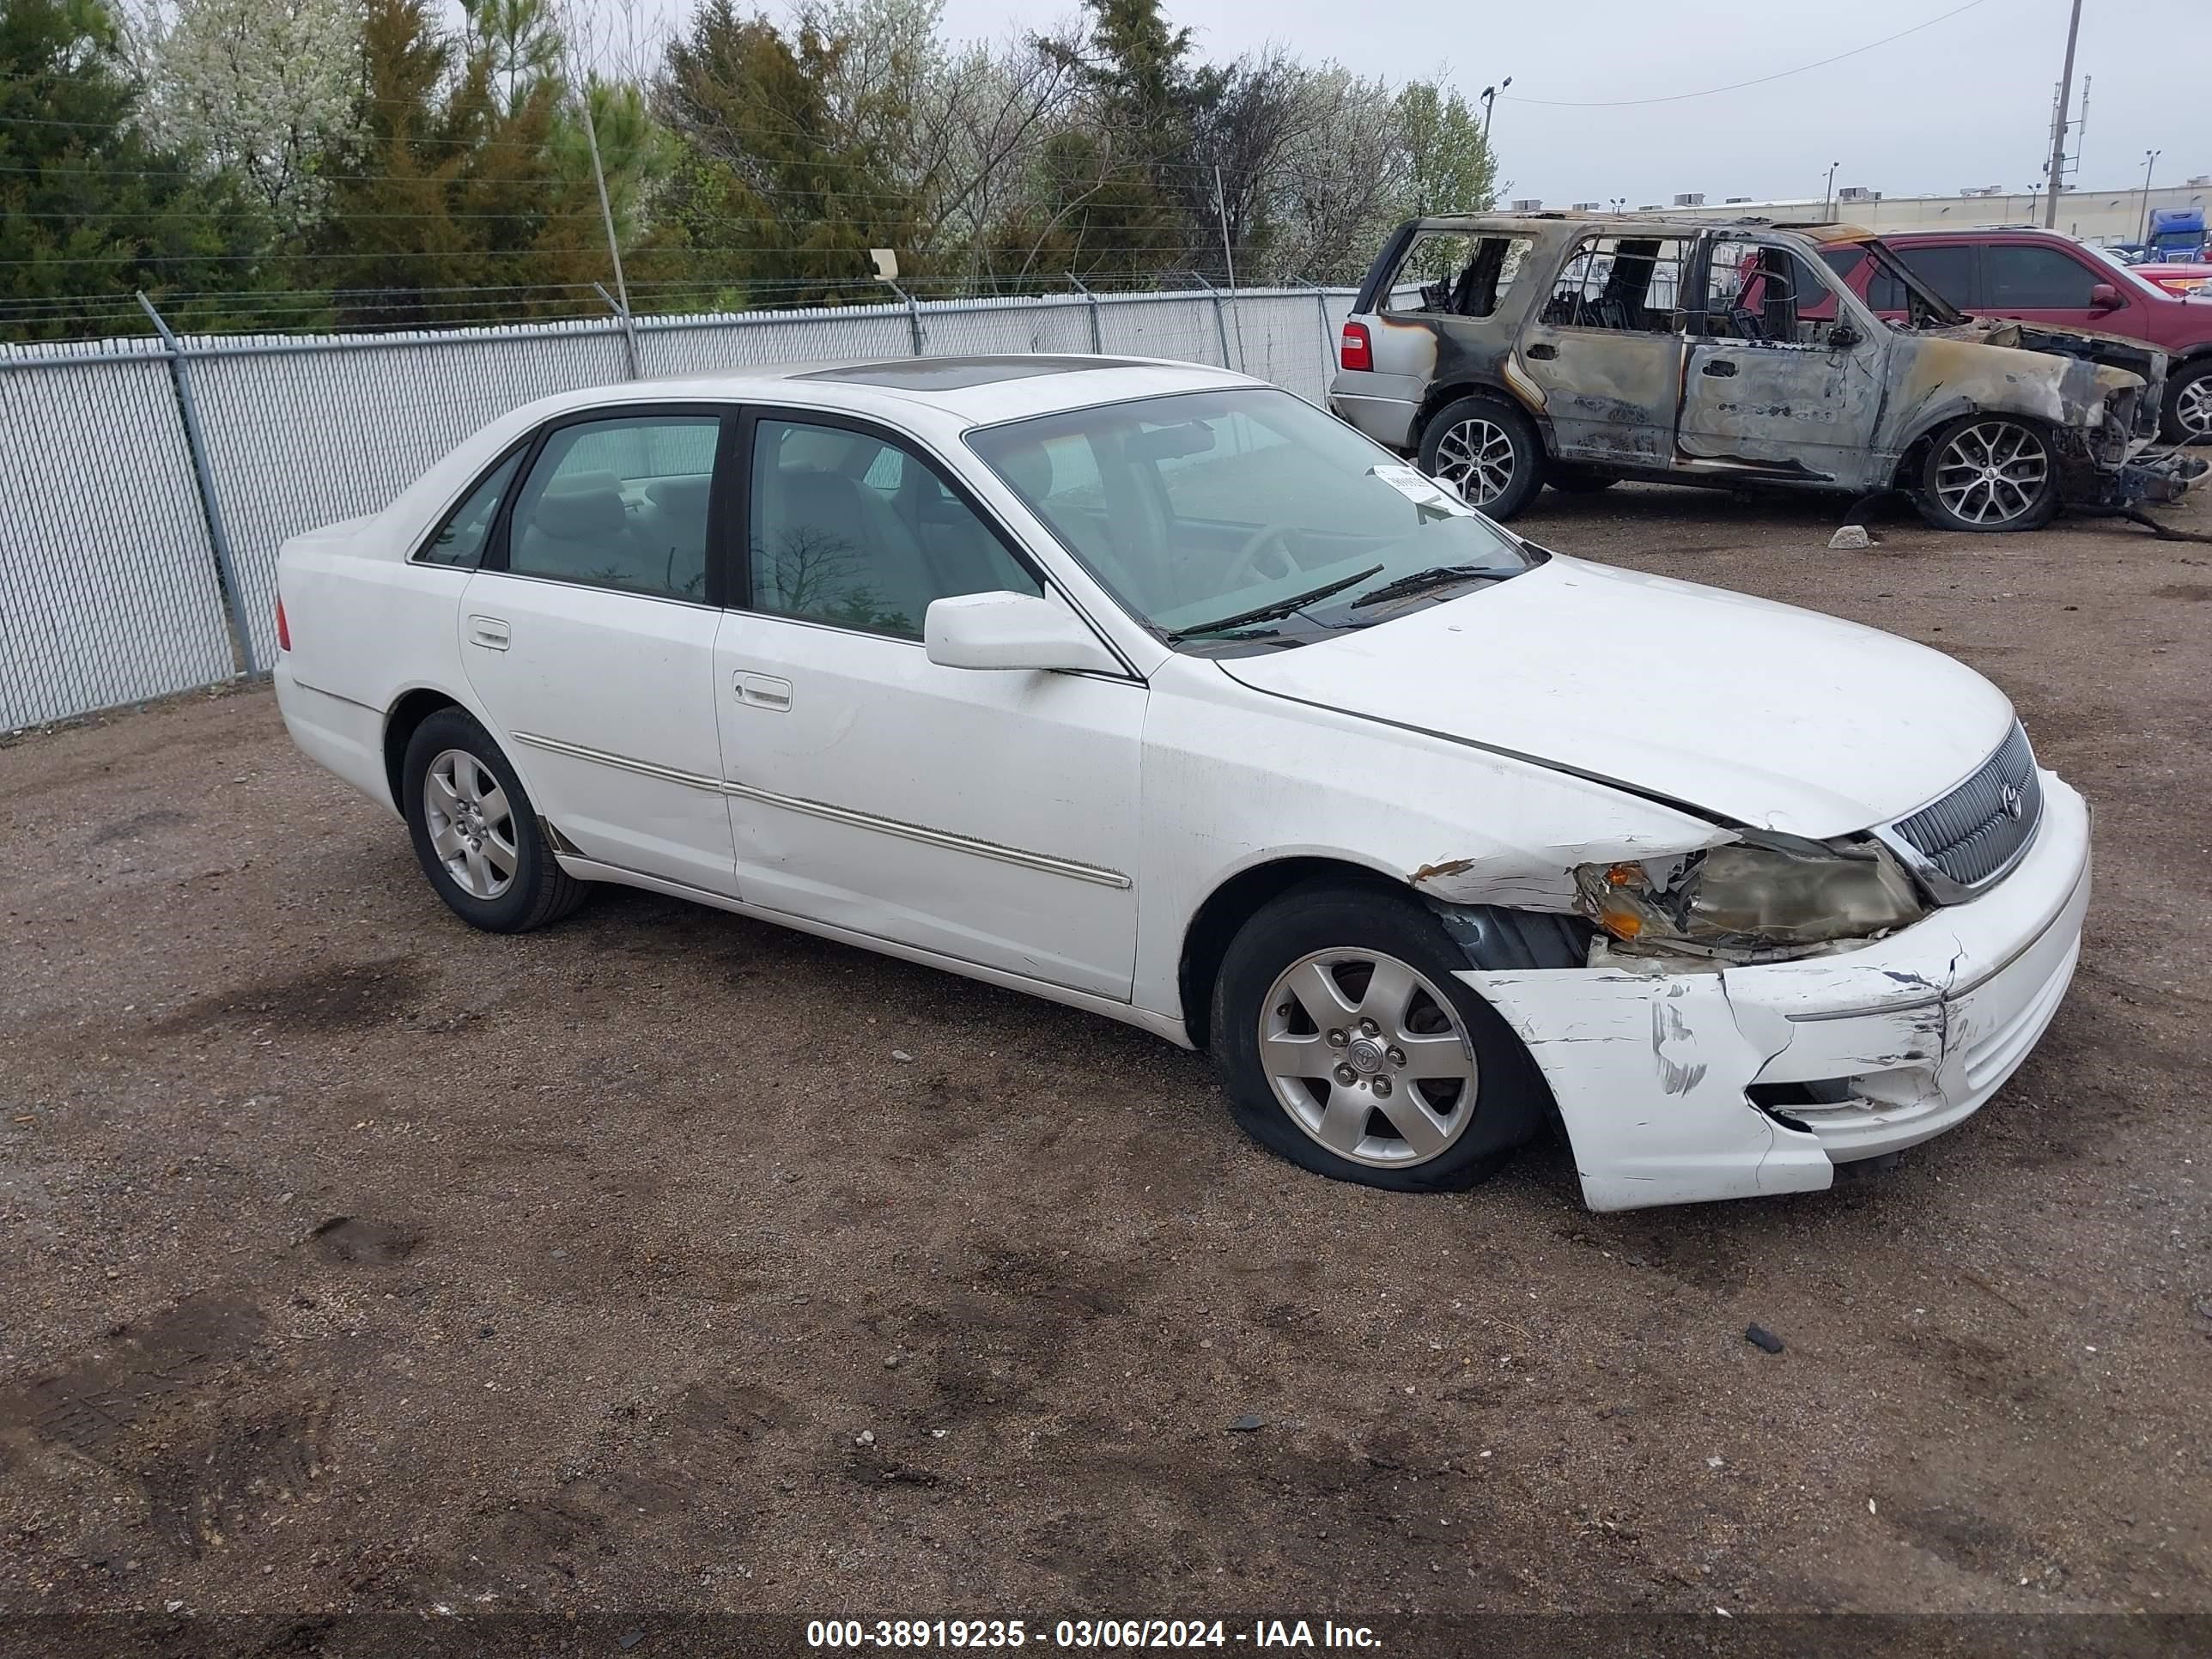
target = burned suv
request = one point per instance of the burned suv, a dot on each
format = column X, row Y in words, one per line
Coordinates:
column 1511, row 352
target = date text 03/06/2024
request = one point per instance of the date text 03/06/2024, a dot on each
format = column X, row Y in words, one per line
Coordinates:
column 1107, row 1634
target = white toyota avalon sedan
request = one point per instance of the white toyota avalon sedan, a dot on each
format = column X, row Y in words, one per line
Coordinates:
column 1159, row 692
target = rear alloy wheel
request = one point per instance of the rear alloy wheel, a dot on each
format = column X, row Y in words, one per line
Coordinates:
column 1484, row 449
column 2189, row 405
column 476, row 834
column 1347, row 1047
column 1989, row 473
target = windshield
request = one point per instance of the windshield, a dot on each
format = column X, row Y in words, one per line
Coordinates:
column 2130, row 276
column 1246, row 519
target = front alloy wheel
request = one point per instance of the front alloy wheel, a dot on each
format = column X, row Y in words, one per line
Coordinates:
column 2189, row 407
column 1347, row 1045
column 1367, row 1057
column 1989, row 474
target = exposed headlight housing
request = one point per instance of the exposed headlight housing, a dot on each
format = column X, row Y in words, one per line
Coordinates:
column 1764, row 894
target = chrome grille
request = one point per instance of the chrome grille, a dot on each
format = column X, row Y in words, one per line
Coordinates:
column 1977, row 831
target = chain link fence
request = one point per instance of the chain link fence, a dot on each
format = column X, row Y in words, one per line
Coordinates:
column 151, row 483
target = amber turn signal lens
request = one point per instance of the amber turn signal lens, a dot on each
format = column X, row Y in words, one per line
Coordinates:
column 1622, row 874
column 1619, row 921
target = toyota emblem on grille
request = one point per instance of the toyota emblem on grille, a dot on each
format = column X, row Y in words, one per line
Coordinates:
column 2014, row 802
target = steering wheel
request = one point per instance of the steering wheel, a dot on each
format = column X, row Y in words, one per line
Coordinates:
column 1247, row 562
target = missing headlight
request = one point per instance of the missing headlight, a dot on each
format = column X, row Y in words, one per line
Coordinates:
column 1764, row 894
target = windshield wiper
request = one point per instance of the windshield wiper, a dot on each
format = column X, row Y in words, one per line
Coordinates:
column 1442, row 575
column 1279, row 608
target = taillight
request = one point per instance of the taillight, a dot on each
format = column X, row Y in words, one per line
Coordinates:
column 1355, row 350
column 283, row 627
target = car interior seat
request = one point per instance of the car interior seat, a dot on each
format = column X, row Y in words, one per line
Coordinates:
column 579, row 529
column 674, row 530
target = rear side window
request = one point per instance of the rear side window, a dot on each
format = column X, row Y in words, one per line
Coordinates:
column 1632, row 283
column 619, row 503
column 2023, row 278
column 460, row 540
column 1457, row 273
column 1949, row 270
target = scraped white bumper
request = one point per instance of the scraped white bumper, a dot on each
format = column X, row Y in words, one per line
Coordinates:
column 1904, row 1039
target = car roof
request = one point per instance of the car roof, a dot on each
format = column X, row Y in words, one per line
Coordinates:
column 1640, row 224
column 966, row 391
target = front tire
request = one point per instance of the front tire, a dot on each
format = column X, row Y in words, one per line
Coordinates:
column 476, row 834
column 1486, row 450
column 1989, row 474
column 1346, row 1047
column 2187, row 417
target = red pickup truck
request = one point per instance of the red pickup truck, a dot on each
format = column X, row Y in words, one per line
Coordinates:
column 2041, row 276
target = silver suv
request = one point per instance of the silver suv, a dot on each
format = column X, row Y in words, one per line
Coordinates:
column 1509, row 352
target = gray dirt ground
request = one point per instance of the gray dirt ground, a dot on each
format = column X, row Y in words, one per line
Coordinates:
column 644, row 1226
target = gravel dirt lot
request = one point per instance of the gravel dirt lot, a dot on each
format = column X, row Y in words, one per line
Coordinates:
column 355, row 1260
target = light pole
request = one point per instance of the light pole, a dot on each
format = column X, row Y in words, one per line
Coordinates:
column 1828, row 200
column 1490, row 98
column 2150, row 160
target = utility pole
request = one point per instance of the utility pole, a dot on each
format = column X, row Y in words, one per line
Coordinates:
column 2058, row 124
column 2150, row 160
column 1828, row 200
column 607, row 213
column 1228, row 260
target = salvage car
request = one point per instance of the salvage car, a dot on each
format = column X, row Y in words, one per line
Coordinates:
column 1511, row 352
column 2042, row 277
column 1159, row 692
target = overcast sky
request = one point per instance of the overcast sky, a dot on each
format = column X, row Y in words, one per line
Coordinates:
column 1964, row 103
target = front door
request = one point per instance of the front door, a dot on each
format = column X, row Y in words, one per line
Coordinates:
column 1770, row 386
column 986, row 815
column 589, row 639
column 1604, row 349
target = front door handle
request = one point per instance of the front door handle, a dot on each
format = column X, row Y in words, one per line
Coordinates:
column 1544, row 352
column 1720, row 367
column 489, row 632
column 762, row 690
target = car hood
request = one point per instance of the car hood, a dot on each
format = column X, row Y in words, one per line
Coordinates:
column 1745, row 709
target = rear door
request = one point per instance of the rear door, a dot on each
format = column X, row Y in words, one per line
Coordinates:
column 588, row 638
column 1952, row 269
column 1604, row 347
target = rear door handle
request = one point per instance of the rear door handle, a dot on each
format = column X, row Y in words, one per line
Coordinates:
column 1721, row 366
column 489, row 632
column 1546, row 352
column 762, row 690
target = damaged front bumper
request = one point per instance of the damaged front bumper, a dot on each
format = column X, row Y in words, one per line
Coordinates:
column 1678, row 1084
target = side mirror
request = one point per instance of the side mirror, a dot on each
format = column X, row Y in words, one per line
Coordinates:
column 2104, row 297
column 1013, row 630
column 1842, row 337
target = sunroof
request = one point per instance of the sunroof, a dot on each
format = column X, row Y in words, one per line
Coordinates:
column 950, row 374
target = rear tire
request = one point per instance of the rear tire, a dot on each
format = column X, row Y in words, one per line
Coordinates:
column 1486, row 450
column 2187, row 417
column 1440, row 1091
column 476, row 834
column 1987, row 475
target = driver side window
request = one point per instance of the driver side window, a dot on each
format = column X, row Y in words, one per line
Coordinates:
column 1758, row 291
column 858, row 532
